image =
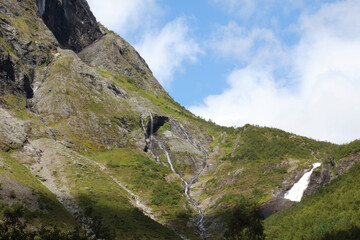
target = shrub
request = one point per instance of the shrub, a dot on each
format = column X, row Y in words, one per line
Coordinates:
column 244, row 218
column 12, row 194
column 166, row 194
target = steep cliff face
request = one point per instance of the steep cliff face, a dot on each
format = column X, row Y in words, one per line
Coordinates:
column 24, row 45
column 71, row 22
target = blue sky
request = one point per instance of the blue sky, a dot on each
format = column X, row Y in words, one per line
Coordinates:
column 293, row 65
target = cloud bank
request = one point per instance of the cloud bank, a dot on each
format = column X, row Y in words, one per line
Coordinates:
column 123, row 16
column 166, row 50
column 310, row 89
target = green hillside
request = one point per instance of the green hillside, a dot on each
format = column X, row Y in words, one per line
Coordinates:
column 332, row 213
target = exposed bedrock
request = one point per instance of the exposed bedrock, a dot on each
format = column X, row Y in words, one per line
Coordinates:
column 71, row 22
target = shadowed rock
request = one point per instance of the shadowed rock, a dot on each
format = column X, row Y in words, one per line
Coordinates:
column 71, row 21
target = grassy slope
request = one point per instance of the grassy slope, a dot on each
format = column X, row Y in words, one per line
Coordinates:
column 249, row 148
column 148, row 180
column 50, row 211
column 252, row 148
column 102, row 199
column 96, row 193
column 332, row 213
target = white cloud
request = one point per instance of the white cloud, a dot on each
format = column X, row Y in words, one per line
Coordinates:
column 233, row 40
column 244, row 8
column 123, row 16
column 167, row 49
column 323, row 68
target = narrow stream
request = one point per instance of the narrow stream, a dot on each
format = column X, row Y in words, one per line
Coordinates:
column 187, row 185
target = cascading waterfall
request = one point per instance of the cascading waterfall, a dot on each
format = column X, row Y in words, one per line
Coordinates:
column 296, row 192
column 187, row 185
column 66, row 9
column 41, row 6
column 151, row 125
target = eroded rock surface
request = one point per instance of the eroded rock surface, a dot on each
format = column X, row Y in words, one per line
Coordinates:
column 71, row 21
column 12, row 131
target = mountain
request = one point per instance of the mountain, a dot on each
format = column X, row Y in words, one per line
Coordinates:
column 92, row 146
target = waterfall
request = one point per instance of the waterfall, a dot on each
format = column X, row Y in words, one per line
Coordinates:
column 41, row 6
column 296, row 192
column 162, row 147
column 151, row 124
column 187, row 185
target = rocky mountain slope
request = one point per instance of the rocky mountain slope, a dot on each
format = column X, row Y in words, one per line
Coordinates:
column 332, row 213
column 91, row 142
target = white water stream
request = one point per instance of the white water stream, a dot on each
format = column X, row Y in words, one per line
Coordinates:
column 296, row 192
column 187, row 185
column 41, row 6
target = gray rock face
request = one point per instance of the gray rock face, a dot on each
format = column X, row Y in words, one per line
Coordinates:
column 319, row 179
column 12, row 132
column 12, row 78
column 71, row 21
column 20, row 53
column 113, row 53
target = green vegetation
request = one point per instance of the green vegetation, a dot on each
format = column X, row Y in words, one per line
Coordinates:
column 50, row 210
column 345, row 150
column 107, row 204
column 165, row 103
column 270, row 144
column 13, row 228
column 145, row 177
column 166, row 194
column 17, row 105
column 260, row 158
column 242, row 216
column 332, row 213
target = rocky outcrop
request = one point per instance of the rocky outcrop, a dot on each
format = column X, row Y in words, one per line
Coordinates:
column 115, row 54
column 319, row 178
column 71, row 21
column 12, row 132
column 155, row 124
column 347, row 163
column 25, row 44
